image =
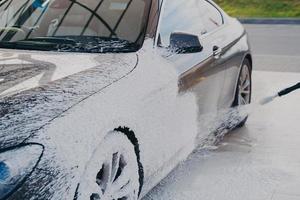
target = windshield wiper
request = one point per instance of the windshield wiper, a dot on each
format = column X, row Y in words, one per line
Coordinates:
column 39, row 43
column 85, row 44
column 55, row 40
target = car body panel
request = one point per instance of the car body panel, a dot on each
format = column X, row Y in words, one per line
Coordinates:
column 235, row 49
column 151, row 111
column 51, row 86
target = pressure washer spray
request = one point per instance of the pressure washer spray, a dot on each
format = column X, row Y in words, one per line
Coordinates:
column 230, row 118
column 280, row 94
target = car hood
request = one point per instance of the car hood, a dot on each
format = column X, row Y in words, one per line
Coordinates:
column 37, row 87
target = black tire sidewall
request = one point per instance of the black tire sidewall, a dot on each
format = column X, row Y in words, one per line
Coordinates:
column 236, row 100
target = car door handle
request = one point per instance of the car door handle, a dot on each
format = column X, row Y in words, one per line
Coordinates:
column 217, row 51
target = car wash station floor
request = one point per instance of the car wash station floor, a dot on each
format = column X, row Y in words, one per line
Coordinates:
column 260, row 161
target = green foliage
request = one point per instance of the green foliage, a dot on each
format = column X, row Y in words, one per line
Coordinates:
column 261, row 8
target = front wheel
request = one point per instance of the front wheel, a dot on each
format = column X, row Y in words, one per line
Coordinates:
column 244, row 89
column 112, row 173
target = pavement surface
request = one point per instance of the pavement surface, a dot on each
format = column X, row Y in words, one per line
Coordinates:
column 260, row 161
column 275, row 47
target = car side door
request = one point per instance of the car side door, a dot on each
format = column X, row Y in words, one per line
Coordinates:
column 199, row 72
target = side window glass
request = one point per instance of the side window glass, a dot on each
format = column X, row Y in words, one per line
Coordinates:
column 180, row 16
column 212, row 17
column 197, row 17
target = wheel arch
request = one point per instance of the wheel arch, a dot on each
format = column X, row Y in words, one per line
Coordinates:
column 133, row 139
column 249, row 58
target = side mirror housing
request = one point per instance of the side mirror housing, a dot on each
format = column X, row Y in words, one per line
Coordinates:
column 184, row 43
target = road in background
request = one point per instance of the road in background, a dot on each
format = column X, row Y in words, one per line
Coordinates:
column 275, row 47
column 262, row 160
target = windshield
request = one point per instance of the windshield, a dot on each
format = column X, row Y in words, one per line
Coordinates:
column 73, row 25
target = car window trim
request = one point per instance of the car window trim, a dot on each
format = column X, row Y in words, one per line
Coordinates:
column 155, row 45
column 214, row 5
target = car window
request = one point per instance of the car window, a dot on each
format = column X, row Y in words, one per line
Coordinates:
column 108, row 22
column 197, row 17
column 211, row 16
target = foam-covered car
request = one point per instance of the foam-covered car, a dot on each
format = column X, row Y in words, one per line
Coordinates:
column 101, row 99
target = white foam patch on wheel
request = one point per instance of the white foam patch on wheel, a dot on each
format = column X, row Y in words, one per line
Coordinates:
column 113, row 143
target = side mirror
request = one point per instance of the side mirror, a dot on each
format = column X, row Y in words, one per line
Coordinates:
column 185, row 43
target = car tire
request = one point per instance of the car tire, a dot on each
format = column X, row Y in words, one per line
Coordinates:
column 243, row 92
column 112, row 172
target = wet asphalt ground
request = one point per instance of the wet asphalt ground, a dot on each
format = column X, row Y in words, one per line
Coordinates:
column 260, row 161
column 275, row 47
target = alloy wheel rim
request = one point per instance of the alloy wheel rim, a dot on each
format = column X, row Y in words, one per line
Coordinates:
column 113, row 181
column 244, row 96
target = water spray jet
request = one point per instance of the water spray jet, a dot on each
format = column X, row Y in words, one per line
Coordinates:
column 280, row 94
